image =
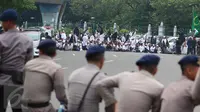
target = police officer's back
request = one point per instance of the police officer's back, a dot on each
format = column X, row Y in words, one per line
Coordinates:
column 139, row 91
column 15, row 50
column 196, row 87
column 177, row 96
column 42, row 76
column 80, row 78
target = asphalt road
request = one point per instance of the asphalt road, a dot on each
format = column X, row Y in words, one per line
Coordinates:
column 116, row 62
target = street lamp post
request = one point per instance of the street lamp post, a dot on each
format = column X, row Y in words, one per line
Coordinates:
column 32, row 18
column 93, row 25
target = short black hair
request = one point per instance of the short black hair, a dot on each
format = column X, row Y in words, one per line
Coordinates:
column 95, row 57
column 50, row 51
column 14, row 22
column 182, row 68
column 149, row 68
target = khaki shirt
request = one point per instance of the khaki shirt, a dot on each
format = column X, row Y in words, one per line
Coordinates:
column 78, row 82
column 177, row 97
column 42, row 76
column 139, row 91
column 196, row 88
column 15, row 50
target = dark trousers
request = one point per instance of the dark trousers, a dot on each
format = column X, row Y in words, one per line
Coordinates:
column 110, row 108
column 13, row 94
column 198, row 50
column 189, row 51
column 178, row 50
column 84, row 47
column 193, row 50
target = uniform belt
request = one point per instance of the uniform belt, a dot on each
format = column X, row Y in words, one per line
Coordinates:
column 36, row 105
column 10, row 72
column 17, row 77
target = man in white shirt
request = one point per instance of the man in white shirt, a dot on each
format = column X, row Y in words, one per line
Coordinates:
column 101, row 38
column 92, row 38
column 152, row 49
column 123, row 39
column 63, row 35
column 141, row 48
column 85, row 41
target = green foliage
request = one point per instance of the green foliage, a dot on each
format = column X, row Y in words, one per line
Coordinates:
column 135, row 14
column 67, row 30
column 90, row 30
column 123, row 31
column 20, row 5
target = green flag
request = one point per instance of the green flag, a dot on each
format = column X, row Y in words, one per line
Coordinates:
column 195, row 23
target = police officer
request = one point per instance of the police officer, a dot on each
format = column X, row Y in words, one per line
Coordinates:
column 196, row 86
column 177, row 96
column 139, row 91
column 79, row 79
column 42, row 76
column 15, row 50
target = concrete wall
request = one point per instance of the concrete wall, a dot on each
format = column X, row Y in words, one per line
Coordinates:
column 50, row 13
column 50, row 1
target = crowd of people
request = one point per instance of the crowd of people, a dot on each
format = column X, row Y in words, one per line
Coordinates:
column 130, row 43
column 111, row 43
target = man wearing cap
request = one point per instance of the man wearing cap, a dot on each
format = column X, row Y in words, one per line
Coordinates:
column 177, row 96
column 79, row 79
column 15, row 50
column 42, row 76
column 139, row 91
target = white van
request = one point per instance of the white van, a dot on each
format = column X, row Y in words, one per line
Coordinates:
column 35, row 35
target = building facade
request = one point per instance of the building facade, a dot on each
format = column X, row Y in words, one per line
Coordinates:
column 48, row 12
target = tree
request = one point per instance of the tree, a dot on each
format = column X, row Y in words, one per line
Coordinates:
column 20, row 5
column 174, row 12
column 135, row 14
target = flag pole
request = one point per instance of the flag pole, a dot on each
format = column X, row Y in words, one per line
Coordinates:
column 193, row 21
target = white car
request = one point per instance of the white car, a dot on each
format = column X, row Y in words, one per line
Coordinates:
column 35, row 35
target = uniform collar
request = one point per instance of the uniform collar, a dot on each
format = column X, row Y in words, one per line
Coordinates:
column 93, row 66
column 45, row 57
column 185, row 78
column 146, row 73
column 13, row 30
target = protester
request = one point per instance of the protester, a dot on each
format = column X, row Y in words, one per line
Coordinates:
column 189, row 44
column 47, row 36
column 63, row 36
column 194, row 43
column 184, row 47
column 85, row 42
column 198, row 48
